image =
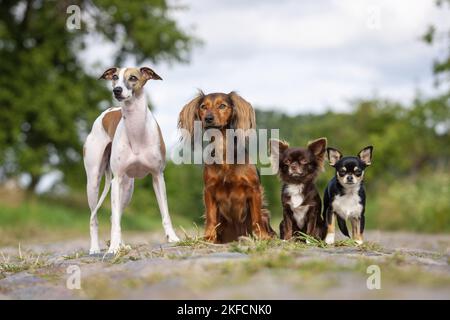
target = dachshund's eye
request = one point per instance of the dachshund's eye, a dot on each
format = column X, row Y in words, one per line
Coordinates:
column 203, row 106
column 222, row 106
column 304, row 161
column 287, row 161
column 342, row 172
column 133, row 78
column 115, row 77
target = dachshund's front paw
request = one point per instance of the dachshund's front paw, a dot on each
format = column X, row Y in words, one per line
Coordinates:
column 211, row 235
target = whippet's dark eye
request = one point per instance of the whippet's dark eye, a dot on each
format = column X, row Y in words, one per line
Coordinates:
column 133, row 78
column 222, row 106
column 115, row 77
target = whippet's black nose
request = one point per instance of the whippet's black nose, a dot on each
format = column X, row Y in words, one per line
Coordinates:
column 117, row 91
column 209, row 118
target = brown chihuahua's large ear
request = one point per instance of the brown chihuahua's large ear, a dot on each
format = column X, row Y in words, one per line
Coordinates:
column 366, row 155
column 318, row 148
column 108, row 74
column 189, row 114
column 244, row 115
column 277, row 147
column 334, row 156
column 149, row 74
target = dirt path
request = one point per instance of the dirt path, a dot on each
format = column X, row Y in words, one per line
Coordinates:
column 411, row 266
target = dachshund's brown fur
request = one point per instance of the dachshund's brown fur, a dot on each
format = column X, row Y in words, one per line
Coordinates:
column 233, row 195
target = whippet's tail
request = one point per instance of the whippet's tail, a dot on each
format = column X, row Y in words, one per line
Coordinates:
column 108, row 179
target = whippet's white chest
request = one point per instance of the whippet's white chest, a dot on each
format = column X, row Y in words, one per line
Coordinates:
column 295, row 191
column 348, row 205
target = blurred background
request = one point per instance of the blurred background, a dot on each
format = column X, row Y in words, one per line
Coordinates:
column 359, row 73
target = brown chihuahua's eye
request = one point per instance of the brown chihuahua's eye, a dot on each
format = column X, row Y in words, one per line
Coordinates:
column 222, row 106
column 115, row 77
column 133, row 78
column 203, row 106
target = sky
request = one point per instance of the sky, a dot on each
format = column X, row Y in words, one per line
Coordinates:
column 295, row 56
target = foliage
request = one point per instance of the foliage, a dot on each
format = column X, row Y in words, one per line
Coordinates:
column 46, row 97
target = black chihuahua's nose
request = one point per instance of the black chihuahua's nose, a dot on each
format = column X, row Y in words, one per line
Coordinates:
column 350, row 178
column 117, row 91
column 209, row 118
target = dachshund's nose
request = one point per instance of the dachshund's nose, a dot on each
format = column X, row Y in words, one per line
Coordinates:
column 209, row 118
column 117, row 91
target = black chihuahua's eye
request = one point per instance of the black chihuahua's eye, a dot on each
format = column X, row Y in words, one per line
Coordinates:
column 222, row 106
column 342, row 172
column 133, row 78
column 358, row 172
column 115, row 77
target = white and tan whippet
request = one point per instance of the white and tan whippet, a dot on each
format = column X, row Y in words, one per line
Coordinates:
column 125, row 143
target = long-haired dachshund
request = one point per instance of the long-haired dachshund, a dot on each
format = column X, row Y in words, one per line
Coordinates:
column 233, row 195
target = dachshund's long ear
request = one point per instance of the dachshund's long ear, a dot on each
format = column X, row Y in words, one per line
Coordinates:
column 189, row 114
column 244, row 115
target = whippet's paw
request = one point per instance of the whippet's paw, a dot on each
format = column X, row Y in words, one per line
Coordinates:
column 171, row 238
column 329, row 238
column 93, row 251
column 359, row 242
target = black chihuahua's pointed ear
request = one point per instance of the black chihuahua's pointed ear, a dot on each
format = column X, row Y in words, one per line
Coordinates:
column 277, row 147
column 149, row 74
column 108, row 74
column 366, row 155
column 318, row 148
column 334, row 156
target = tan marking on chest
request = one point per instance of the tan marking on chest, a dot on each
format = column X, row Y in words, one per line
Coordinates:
column 110, row 122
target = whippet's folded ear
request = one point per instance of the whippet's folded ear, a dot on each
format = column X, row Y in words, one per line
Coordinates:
column 366, row 155
column 334, row 156
column 108, row 74
column 148, row 74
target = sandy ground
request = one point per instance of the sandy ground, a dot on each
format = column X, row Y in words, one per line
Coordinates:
column 411, row 266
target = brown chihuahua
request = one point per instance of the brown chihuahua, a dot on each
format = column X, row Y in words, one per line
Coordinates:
column 298, row 169
column 233, row 195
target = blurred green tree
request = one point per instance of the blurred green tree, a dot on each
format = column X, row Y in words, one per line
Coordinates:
column 441, row 65
column 47, row 99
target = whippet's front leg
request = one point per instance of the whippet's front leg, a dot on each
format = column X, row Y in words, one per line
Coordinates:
column 93, row 182
column 159, row 186
column 118, row 197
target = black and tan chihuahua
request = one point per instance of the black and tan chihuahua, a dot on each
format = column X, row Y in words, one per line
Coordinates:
column 345, row 197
